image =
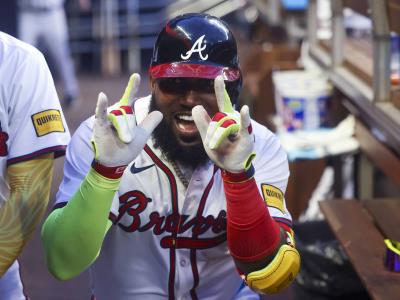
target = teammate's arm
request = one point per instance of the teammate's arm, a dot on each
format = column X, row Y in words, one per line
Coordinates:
column 263, row 251
column 30, row 183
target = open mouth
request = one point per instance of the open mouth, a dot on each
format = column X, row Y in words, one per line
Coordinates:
column 185, row 124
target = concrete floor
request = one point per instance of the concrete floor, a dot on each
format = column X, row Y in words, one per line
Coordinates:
column 39, row 283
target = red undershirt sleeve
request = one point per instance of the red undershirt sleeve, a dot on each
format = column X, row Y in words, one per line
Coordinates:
column 252, row 233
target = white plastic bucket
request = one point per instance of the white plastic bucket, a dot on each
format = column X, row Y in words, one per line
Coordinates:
column 302, row 99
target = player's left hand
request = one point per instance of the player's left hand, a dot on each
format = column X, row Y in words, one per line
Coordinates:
column 228, row 137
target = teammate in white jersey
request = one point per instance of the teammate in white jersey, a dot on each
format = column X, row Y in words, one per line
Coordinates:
column 32, row 133
column 45, row 22
column 196, row 211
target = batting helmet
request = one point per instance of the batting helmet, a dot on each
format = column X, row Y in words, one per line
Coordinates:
column 198, row 46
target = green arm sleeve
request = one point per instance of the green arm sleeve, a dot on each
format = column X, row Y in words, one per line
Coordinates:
column 72, row 236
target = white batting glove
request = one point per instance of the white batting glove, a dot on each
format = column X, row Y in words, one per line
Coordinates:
column 117, row 139
column 227, row 137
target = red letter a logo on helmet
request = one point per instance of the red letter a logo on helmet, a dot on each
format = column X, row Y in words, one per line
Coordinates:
column 197, row 47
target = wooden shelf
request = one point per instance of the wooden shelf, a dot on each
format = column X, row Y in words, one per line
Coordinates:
column 358, row 58
column 382, row 117
column 396, row 96
column 378, row 153
column 393, row 8
column 385, row 215
column 355, row 79
column 361, row 233
column 358, row 55
column 360, row 6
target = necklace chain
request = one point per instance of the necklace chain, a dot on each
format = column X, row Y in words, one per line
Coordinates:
column 178, row 172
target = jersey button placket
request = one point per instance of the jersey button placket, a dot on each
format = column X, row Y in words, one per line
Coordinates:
column 183, row 263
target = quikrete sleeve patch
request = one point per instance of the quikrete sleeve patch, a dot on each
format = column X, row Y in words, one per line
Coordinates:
column 48, row 121
column 273, row 196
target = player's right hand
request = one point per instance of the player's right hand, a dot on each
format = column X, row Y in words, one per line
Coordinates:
column 117, row 139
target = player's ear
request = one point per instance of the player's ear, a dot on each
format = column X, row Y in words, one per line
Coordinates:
column 152, row 83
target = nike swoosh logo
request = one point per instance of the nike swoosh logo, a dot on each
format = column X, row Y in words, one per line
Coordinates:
column 135, row 170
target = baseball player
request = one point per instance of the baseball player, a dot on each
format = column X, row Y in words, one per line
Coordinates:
column 45, row 21
column 176, row 195
column 32, row 133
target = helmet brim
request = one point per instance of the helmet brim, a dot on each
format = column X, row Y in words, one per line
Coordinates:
column 193, row 70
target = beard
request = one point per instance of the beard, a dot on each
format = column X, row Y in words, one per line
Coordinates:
column 165, row 140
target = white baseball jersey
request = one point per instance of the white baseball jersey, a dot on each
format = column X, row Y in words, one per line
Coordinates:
column 31, row 120
column 168, row 242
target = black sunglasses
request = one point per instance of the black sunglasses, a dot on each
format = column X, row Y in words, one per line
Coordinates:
column 183, row 85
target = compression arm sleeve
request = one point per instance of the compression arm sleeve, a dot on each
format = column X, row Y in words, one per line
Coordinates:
column 30, row 183
column 73, row 235
column 251, row 232
column 263, row 251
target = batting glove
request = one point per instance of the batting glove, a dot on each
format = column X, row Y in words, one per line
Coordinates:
column 117, row 139
column 227, row 137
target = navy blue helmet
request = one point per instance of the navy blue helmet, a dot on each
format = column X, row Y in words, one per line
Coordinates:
column 197, row 46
